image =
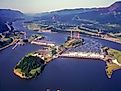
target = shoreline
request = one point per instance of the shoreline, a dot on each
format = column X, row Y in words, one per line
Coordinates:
column 80, row 55
column 112, row 40
column 108, row 65
column 12, row 43
column 28, row 75
column 19, row 74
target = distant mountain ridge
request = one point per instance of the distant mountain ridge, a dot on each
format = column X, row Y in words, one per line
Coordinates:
column 115, row 7
column 7, row 15
column 111, row 14
column 10, row 15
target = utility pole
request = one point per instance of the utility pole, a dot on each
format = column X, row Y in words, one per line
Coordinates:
column 71, row 33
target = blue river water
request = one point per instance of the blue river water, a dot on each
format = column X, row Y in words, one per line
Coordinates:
column 66, row 74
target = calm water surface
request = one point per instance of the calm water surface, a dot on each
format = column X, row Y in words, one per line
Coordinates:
column 67, row 74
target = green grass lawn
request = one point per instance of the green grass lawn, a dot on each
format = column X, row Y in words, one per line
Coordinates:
column 116, row 54
column 110, row 68
column 33, row 71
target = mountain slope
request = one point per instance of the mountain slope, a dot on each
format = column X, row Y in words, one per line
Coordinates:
column 7, row 15
column 111, row 14
column 115, row 7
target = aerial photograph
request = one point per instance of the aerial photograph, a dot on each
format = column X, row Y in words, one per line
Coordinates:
column 60, row 45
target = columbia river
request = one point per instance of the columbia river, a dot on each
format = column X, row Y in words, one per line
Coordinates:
column 66, row 74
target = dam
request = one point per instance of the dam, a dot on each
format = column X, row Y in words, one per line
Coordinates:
column 83, row 55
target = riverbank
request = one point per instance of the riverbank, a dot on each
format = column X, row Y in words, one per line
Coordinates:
column 29, row 67
column 12, row 43
column 19, row 73
column 24, row 69
column 111, row 39
column 112, row 59
column 111, row 68
column 105, row 37
column 53, row 52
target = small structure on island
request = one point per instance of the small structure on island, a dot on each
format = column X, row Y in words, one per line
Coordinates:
column 25, row 39
column 75, row 34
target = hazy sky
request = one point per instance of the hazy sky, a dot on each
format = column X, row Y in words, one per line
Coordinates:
column 34, row 6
